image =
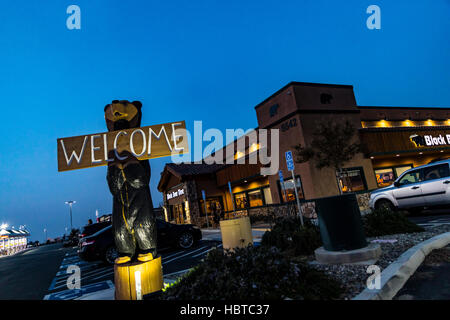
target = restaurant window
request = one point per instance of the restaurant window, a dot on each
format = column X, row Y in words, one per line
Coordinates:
column 255, row 198
column 252, row 198
column 240, row 199
column 400, row 170
column 353, row 180
column 288, row 190
column 267, row 195
column 213, row 203
column 386, row 176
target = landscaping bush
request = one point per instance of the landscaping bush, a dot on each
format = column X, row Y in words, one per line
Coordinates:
column 252, row 273
column 383, row 221
column 289, row 235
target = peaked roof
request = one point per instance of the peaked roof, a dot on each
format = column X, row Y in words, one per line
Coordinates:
column 188, row 169
column 182, row 170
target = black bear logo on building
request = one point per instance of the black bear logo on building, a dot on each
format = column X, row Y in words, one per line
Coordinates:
column 273, row 110
column 419, row 141
column 325, row 98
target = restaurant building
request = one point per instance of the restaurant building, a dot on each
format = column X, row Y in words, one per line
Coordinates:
column 394, row 139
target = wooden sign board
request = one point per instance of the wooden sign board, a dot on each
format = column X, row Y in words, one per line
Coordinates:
column 144, row 143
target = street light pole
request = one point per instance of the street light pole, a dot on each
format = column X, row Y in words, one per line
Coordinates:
column 70, row 203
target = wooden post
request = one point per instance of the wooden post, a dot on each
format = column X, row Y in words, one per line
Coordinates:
column 151, row 279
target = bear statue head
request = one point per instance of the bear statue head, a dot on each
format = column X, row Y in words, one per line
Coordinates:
column 121, row 115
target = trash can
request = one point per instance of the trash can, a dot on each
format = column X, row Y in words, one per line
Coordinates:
column 340, row 223
column 236, row 233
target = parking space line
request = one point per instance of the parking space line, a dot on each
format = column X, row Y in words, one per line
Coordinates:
column 189, row 253
column 82, row 268
column 64, row 284
column 102, row 276
column 177, row 272
column 95, row 271
column 202, row 253
column 96, row 274
column 172, row 255
column 52, row 285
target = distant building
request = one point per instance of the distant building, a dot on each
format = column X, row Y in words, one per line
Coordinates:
column 12, row 241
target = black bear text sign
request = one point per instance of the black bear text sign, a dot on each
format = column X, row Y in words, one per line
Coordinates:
column 150, row 142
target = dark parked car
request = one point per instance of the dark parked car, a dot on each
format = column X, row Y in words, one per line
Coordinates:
column 93, row 228
column 100, row 245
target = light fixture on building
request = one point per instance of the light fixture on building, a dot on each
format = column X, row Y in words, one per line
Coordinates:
column 408, row 123
column 254, row 147
column 420, row 152
column 238, row 155
column 397, row 155
column 371, row 157
column 442, row 150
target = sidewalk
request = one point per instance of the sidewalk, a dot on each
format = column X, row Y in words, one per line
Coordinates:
column 108, row 294
column 216, row 235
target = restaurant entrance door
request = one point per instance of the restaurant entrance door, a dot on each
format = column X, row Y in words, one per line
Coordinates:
column 179, row 213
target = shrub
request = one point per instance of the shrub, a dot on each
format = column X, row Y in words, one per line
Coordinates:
column 252, row 273
column 289, row 235
column 383, row 221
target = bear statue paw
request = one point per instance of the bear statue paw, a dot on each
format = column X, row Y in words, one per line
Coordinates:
column 143, row 257
column 122, row 260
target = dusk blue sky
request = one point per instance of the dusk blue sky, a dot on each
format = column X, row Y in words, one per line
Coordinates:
column 187, row 60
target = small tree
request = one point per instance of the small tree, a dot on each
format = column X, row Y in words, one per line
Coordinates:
column 332, row 146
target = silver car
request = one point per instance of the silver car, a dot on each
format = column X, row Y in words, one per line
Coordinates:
column 416, row 188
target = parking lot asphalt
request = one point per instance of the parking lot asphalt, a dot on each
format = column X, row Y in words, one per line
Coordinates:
column 26, row 275
column 431, row 281
column 432, row 218
column 97, row 276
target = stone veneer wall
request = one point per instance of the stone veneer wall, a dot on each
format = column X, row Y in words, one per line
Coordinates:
column 363, row 201
column 194, row 210
column 308, row 209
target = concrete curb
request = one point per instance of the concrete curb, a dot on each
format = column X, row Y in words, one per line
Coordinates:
column 397, row 273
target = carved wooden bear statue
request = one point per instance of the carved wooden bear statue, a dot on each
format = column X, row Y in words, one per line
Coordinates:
column 133, row 219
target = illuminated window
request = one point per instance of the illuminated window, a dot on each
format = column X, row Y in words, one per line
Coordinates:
column 255, row 198
column 267, row 195
column 353, row 180
column 240, row 200
column 400, row 170
column 213, row 205
column 287, row 190
column 386, row 176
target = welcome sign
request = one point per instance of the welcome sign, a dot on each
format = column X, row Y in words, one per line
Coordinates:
column 149, row 142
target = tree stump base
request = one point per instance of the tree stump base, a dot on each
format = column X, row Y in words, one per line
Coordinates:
column 133, row 280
